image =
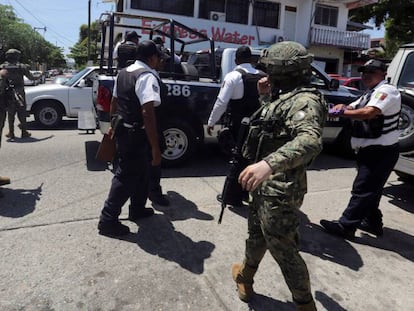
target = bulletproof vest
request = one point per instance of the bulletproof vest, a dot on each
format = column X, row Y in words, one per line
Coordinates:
column 126, row 54
column 129, row 106
column 15, row 73
column 267, row 129
column 373, row 128
column 249, row 103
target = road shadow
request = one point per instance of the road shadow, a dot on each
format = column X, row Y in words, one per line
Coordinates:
column 93, row 164
column 157, row 236
column 327, row 302
column 326, row 161
column 181, row 209
column 317, row 242
column 393, row 240
column 19, row 202
column 400, row 195
column 208, row 161
column 26, row 140
column 263, row 303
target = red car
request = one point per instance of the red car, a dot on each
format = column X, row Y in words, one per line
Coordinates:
column 354, row 83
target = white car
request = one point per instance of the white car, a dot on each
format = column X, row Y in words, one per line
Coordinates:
column 50, row 102
column 28, row 82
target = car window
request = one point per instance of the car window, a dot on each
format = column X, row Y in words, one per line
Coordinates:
column 407, row 74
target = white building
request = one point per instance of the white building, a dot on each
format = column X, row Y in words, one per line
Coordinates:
column 320, row 25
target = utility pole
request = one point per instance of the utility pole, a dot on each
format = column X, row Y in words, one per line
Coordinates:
column 40, row 28
column 89, row 30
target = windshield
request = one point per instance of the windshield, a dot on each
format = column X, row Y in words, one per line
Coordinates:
column 76, row 77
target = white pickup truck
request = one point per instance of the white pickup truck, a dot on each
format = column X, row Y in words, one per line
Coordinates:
column 50, row 102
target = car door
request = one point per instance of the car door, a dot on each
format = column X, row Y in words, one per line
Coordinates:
column 80, row 94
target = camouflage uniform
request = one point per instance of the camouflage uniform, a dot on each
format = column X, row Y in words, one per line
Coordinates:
column 287, row 135
column 2, row 102
column 16, row 71
column 4, row 180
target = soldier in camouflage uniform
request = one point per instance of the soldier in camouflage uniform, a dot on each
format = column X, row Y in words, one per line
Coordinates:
column 16, row 71
column 3, row 72
column 284, row 136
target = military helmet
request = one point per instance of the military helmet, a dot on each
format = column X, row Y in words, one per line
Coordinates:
column 286, row 58
column 13, row 54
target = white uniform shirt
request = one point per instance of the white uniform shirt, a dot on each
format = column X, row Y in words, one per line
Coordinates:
column 147, row 87
column 232, row 88
column 387, row 98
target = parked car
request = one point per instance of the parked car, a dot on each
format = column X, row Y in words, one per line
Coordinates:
column 50, row 102
column 28, row 82
column 352, row 83
column 40, row 75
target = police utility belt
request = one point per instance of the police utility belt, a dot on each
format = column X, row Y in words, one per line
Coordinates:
column 118, row 122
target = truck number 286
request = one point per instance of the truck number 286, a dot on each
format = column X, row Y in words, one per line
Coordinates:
column 178, row 90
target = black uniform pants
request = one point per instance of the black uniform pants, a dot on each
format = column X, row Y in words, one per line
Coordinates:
column 2, row 116
column 375, row 164
column 130, row 180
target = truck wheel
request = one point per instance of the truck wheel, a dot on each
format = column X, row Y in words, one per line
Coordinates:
column 180, row 142
column 406, row 126
column 48, row 114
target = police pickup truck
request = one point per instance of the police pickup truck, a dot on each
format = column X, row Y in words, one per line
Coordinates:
column 192, row 85
column 401, row 74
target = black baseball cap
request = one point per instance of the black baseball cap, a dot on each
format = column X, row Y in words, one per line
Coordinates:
column 132, row 35
column 373, row 64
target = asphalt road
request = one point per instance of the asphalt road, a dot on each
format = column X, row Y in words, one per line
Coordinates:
column 53, row 259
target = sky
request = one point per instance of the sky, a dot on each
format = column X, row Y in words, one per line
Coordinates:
column 62, row 18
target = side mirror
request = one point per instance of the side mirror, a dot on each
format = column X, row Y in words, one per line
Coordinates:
column 81, row 83
column 333, row 84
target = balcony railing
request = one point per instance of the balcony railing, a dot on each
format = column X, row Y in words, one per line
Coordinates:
column 342, row 39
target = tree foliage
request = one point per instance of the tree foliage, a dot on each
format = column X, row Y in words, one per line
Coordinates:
column 18, row 35
column 79, row 52
column 397, row 17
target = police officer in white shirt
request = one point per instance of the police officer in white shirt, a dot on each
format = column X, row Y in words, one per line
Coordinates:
column 232, row 88
column 135, row 130
column 375, row 139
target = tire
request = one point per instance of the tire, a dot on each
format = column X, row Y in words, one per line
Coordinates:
column 48, row 114
column 406, row 126
column 180, row 142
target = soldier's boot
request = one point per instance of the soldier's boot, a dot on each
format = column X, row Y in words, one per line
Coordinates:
column 243, row 276
column 310, row 306
column 4, row 180
column 10, row 135
column 26, row 134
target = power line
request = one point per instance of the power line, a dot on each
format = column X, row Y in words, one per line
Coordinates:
column 59, row 37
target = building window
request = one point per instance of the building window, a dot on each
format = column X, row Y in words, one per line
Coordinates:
column 179, row 7
column 235, row 11
column 326, row 15
column 266, row 14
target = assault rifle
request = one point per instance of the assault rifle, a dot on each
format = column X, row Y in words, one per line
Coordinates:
column 13, row 94
column 233, row 193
